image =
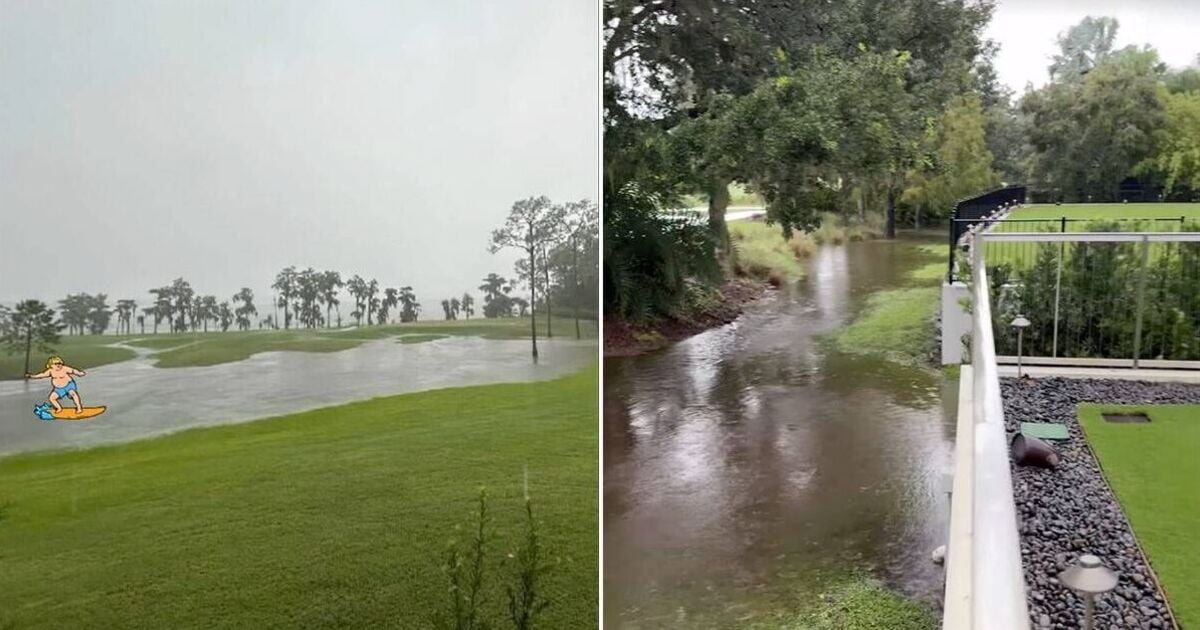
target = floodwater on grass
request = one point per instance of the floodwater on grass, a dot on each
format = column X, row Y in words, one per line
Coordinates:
column 144, row 400
column 748, row 463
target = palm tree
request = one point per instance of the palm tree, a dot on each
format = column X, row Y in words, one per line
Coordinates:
column 370, row 291
column 409, row 308
column 181, row 292
column 358, row 289
column 125, row 311
column 247, row 310
column 141, row 320
column 74, row 310
column 98, row 313
column 455, row 306
column 224, row 316
column 206, row 309
column 446, row 310
column 468, row 305
column 496, row 302
column 285, row 283
column 331, row 282
column 308, row 292
column 162, row 306
column 391, row 297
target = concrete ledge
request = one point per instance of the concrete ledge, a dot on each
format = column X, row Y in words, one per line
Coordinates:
column 1128, row 374
column 957, row 601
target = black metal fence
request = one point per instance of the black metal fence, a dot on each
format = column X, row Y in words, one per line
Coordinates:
column 978, row 209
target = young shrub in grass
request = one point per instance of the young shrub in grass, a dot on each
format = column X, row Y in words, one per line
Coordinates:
column 465, row 570
column 525, row 601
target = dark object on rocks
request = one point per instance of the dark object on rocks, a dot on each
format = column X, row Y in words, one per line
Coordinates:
column 1133, row 417
column 1030, row 451
column 1071, row 511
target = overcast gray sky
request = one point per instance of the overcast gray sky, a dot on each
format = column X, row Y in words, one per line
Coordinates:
column 1027, row 31
column 223, row 140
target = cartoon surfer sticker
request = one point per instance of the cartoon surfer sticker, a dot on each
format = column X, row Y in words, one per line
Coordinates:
column 62, row 386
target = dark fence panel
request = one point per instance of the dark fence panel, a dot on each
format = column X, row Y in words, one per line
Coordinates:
column 974, row 210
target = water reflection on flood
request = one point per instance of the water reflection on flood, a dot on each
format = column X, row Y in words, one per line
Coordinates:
column 144, row 400
column 744, row 462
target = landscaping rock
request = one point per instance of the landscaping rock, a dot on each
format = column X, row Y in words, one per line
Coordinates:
column 1069, row 510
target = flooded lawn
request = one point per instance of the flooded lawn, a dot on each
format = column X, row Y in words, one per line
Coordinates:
column 144, row 400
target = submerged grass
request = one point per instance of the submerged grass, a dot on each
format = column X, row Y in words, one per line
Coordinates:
column 407, row 339
column 897, row 323
column 859, row 603
column 336, row 517
column 1158, row 493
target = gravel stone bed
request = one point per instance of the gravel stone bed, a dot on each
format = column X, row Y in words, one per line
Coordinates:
column 1070, row 511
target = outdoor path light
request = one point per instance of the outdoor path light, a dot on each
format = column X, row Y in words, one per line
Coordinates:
column 1088, row 577
column 1020, row 323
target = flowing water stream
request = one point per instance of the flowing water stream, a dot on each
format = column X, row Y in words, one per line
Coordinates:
column 144, row 400
column 747, row 464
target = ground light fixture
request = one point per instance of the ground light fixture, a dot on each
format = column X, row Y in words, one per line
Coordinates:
column 1020, row 323
column 1088, row 577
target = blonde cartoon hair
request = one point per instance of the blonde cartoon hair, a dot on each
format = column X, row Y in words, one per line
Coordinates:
column 52, row 360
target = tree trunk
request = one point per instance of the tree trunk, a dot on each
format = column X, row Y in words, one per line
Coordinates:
column 28, row 345
column 890, row 229
column 532, row 295
column 862, row 207
column 917, row 219
column 575, row 282
column 546, row 294
column 718, row 203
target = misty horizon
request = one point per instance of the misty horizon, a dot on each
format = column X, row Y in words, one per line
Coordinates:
column 222, row 143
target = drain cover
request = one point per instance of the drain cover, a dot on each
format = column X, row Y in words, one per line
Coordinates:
column 1126, row 417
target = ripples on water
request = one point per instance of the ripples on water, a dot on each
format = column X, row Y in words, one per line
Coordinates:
column 144, row 400
column 743, row 464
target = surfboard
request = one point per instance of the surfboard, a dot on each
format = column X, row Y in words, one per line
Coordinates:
column 69, row 413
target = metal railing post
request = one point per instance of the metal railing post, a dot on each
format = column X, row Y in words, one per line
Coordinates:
column 1062, row 249
column 1141, row 301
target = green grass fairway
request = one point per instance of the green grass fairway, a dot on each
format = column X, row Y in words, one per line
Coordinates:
column 213, row 348
column 1102, row 211
column 1154, row 471
column 1021, row 255
column 337, row 517
column 83, row 352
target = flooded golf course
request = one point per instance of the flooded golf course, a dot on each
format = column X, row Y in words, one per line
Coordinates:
column 144, row 400
column 748, row 465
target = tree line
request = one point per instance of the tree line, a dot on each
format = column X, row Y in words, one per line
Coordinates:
column 854, row 106
column 560, row 258
column 818, row 107
column 561, row 242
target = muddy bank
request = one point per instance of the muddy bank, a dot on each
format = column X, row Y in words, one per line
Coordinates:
column 623, row 338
